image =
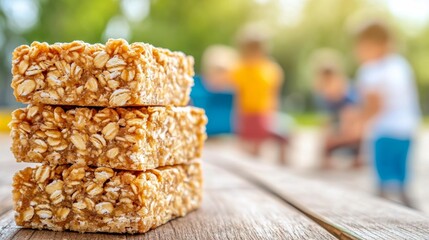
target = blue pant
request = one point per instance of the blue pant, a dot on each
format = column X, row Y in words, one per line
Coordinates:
column 390, row 158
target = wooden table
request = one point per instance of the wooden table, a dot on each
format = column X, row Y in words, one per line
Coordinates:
column 251, row 200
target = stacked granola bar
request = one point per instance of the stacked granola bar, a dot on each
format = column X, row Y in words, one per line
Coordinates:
column 118, row 147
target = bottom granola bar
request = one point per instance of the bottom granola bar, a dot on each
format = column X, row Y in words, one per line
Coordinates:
column 85, row 199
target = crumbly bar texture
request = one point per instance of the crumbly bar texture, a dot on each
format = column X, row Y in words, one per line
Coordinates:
column 85, row 199
column 110, row 75
column 120, row 138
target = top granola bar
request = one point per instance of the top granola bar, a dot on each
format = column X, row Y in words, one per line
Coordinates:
column 110, row 75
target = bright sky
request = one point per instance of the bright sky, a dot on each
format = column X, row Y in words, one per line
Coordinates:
column 413, row 14
column 411, row 10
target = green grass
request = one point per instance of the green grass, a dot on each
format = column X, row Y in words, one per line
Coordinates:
column 315, row 119
column 309, row 119
column 301, row 119
column 425, row 120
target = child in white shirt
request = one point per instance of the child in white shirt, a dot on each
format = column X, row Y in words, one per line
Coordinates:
column 390, row 105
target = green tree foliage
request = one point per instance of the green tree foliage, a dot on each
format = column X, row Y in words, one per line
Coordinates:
column 187, row 25
column 324, row 24
column 191, row 26
column 68, row 20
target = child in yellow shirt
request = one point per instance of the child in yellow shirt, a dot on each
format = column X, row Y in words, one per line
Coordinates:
column 257, row 81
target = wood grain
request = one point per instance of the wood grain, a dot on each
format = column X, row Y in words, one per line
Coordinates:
column 345, row 213
column 5, row 198
column 233, row 208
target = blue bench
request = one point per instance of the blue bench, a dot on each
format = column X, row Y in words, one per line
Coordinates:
column 218, row 107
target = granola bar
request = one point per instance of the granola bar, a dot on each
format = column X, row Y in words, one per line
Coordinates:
column 85, row 199
column 114, row 74
column 121, row 138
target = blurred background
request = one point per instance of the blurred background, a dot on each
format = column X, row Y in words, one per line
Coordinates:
column 294, row 30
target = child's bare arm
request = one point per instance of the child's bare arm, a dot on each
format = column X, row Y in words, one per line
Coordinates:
column 371, row 106
column 351, row 123
column 278, row 87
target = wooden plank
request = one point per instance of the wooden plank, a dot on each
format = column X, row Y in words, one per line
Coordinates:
column 242, row 214
column 216, row 178
column 5, row 198
column 8, row 230
column 343, row 212
column 232, row 209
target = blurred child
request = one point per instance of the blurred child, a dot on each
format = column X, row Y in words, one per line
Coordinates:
column 390, row 105
column 335, row 95
column 212, row 90
column 217, row 62
column 257, row 80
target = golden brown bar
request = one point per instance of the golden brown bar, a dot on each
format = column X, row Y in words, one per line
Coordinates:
column 121, row 138
column 85, row 199
column 114, row 74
